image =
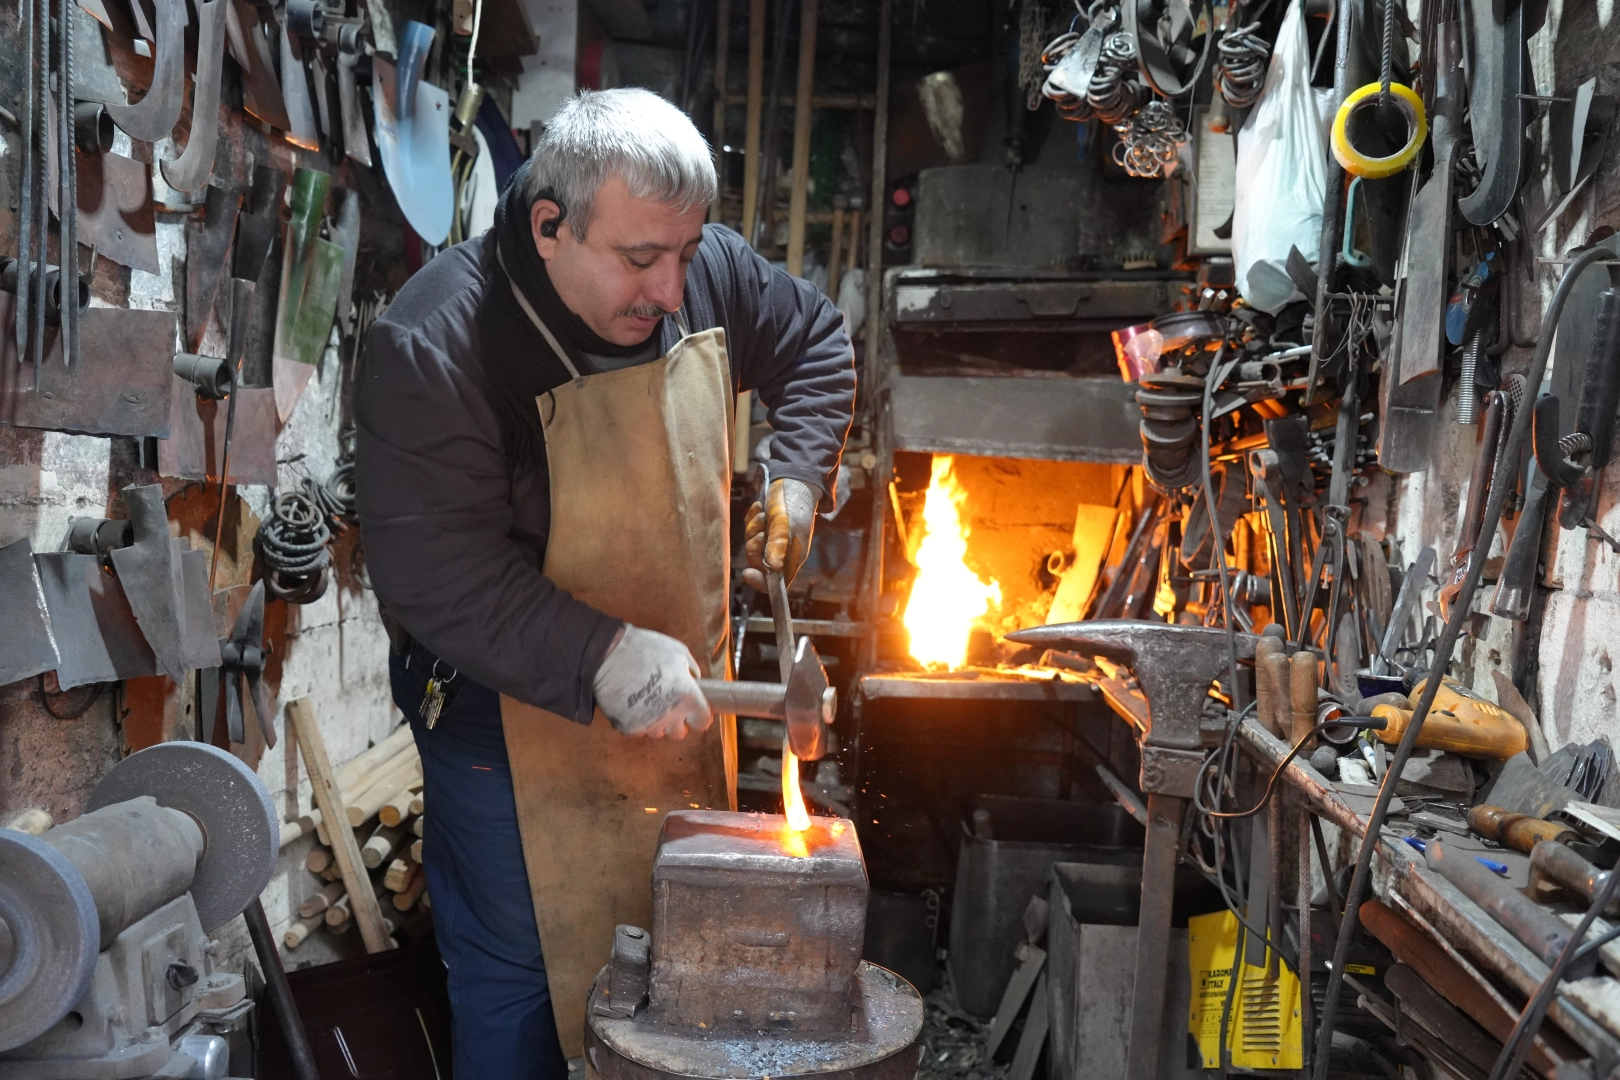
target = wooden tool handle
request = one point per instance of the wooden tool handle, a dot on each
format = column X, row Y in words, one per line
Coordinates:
column 1265, row 684
column 1278, row 675
column 1302, row 693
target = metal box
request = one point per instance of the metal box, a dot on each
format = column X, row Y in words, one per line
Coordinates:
column 756, row 926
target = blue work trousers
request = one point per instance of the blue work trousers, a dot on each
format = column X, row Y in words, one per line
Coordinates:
column 483, row 913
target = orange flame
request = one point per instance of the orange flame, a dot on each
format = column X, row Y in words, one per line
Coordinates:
column 798, row 818
column 947, row 598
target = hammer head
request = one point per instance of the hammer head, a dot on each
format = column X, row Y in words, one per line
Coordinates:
column 811, row 703
column 1174, row 665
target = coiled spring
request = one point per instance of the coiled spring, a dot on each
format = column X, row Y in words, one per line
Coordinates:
column 292, row 545
column 1114, row 91
column 335, row 498
column 1240, row 69
column 1575, row 444
column 1151, row 140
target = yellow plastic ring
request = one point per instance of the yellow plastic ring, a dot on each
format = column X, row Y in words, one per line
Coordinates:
column 1376, row 168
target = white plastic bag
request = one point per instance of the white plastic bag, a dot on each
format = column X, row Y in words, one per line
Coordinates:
column 1281, row 177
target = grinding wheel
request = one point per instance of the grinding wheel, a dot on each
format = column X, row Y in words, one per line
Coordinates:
column 49, row 937
column 241, row 832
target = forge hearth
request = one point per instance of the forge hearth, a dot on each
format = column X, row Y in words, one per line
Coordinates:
column 753, row 965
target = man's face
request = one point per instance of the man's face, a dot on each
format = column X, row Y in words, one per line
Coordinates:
column 630, row 270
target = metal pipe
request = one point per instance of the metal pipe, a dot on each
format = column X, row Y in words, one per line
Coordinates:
column 275, row 985
column 1542, row 932
column 1558, row 862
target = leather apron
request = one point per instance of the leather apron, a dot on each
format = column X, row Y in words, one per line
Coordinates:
column 640, row 462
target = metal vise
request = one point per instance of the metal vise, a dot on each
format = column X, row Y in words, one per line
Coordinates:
column 753, row 966
column 1174, row 665
column 105, row 963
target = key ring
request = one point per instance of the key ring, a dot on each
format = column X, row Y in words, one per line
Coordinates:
column 434, row 674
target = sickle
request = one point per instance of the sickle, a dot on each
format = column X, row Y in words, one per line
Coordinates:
column 154, row 116
column 190, row 171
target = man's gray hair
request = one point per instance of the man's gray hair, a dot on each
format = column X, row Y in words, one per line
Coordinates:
column 634, row 134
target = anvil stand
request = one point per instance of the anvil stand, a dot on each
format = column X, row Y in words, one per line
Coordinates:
column 753, row 967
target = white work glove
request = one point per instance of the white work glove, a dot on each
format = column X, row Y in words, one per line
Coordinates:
column 647, row 686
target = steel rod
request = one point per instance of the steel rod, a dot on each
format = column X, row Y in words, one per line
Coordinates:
column 280, row 993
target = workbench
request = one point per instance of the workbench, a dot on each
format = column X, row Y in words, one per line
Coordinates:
column 1586, row 1010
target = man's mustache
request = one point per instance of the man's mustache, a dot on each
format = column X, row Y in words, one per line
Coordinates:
column 644, row 311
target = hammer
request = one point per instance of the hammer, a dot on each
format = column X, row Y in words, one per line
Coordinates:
column 807, row 702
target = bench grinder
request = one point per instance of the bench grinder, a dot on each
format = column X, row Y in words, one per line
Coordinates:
column 105, row 964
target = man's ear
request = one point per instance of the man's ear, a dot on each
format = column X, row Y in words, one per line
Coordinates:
column 544, row 218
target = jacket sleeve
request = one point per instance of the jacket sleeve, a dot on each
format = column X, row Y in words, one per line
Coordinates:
column 791, row 347
column 434, row 498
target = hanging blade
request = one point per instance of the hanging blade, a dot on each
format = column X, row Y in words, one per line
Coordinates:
column 344, row 229
column 153, row 117
column 301, row 129
column 191, row 170
column 150, row 575
column 1497, row 91
column 412, row 126
column 97, row 637
column 1405, row 601
column 355, row 143
column 261, row 91
column 26, row 645
column 243, row 658
column 208, row 249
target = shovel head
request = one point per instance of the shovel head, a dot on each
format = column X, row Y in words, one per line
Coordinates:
column 97, row 636
column 149, row 570
column 415, row 146
column 26, row 646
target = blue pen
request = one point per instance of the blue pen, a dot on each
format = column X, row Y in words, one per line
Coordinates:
column 1493, row 866
column 1415, row 842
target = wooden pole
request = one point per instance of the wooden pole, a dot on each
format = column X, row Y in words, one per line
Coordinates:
column 870, row 389
column 329, row 797
column 808, row 13
column 835, row 258
column 854, row 239
column 756, row 103
column 874, row 225
column 722, row 53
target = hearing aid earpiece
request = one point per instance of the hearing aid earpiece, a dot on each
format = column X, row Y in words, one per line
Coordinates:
column 548, row 229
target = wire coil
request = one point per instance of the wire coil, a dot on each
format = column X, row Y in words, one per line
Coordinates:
column 292, row 545
column 1240, row 67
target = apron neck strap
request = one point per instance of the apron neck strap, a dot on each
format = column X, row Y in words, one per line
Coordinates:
column 681, row 323
column 534, row 317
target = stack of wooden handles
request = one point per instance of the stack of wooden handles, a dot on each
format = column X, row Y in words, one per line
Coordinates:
column 382, row 796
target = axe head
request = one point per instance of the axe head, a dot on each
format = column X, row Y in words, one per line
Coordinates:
column 811, row 703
